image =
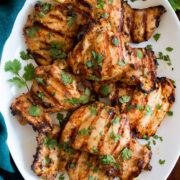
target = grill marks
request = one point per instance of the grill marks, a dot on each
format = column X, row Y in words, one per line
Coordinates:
column 96, row 133
column 53, row 26
column 139, row 24
column 55, row 90
column 138, row 63
column 140, row 122
column 21, row 106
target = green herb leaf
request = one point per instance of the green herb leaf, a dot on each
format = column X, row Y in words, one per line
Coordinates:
column 145, row 137
column 87, row 92
column 25, row 56
column 29, row 72
column 20, row 82
column 90, row 178
column 83, row 132
column 53, row 93
column 139, row 107
column 94, row 111
column 169, row 113
column 115, row 137
column 13, row 66
column 158, row 106
column 90, row 64
column 156, row 37
column 116, row 41
column 149, row 47
column 149, row 110
column 95, row 150
column 94, row 78
column 66, row 78
column 84, row 99
column 115, row 120
column 175, row 4
column 107, row 159
column 40, row 80
column 169, row 49
column 101, row 133
column 110, row 2
column 126, row 154
column 49, row 142
column 46, row 160
column 95, row 169
column 93, row 54
column 161, row 162
column 129, row 108
column 41, row 95
column 69, row 7
column 34, row 111
column 57, row 44
column 139, row 54
column 61, row 177
column 105, row 90
column 122, row 63
column 71, row 21
column 41, row 14
column 124, row 99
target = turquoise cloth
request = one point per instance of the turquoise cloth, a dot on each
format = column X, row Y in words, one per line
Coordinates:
column 8, row 12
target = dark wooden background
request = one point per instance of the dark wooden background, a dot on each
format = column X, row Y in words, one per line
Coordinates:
column 175, row 174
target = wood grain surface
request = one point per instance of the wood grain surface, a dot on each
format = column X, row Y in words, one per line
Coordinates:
column 175, row 174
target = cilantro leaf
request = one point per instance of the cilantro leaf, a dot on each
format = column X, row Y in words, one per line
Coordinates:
column 25, row 56
column 87, row 91
column 66, row 78
column 34, row 111
column 139, row 54
column 169, row 49
column 13, row 66
column 84, row 99
column 115, row 41
column 105, row 90
column 156, row 37
column 126, row 154
column 124, row 99
column 29, row 72
column 20, row 83
column 71, row 21
column 121, row 63
column 175, row 4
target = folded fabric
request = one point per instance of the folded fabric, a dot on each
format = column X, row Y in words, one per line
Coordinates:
column 8, row 12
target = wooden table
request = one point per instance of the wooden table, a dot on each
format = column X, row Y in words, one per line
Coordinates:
column 175, row 174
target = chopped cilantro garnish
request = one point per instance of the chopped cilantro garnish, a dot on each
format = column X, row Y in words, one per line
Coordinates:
column 95, row 169
column 66, row 78
column 90, row 64
column 116, row 41
column 70, row 166
column 158, row 106
column 53, row 93
column 41, row 95
column 93, row 54
column 49, row 142
column 83, row 99
column 139, row 107
column 25, row 56
column 41, row 14
column 149, row 110
column 73, row 101
column 156, row 37
column 154, row 142
column 94, row 78
column 101, row 133
column 95, row 150
column 57, row 44
column 161, row 162
column 169, row 49
column 105, row 90
column 115, row 120
column 46, row 160
column 149, row 47
column 139, row 54
column 71, row 21
column 90, row 178
column 129, row 108
column 111, row 23
column 61, row 177
column 34, row 111
column 87, row 92
column 169, row 113
column 121, row 63
column 31, row 31
column 110, row 2
column 124, row 99
column 69, row 7
column 83, row 132
column 104, row 15
column 60, row 117
column 145, row 137
column 94, row 111
column 107, row 159
column 126, row 154
column 115, row 137
column 100, row 4
column 89, row 164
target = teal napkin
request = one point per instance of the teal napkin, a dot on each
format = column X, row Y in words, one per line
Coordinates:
column 8, row 12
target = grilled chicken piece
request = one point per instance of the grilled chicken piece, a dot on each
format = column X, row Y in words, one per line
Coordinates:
column 52, row 30
column 137, row 25
column 132, row 160
column 97, row 129
column 57, row 90
column 46, row 161
column 51, row 158
column 28, row 111
column 103, row 55
column 144, row 111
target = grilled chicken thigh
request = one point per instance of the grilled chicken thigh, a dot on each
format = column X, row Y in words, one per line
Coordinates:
column 29, row 112
column 51, row 158
column 52, row 30
column 104, row 55
column 145, row 112
column 136, row 25
column 57, row 90
column 97, row 129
